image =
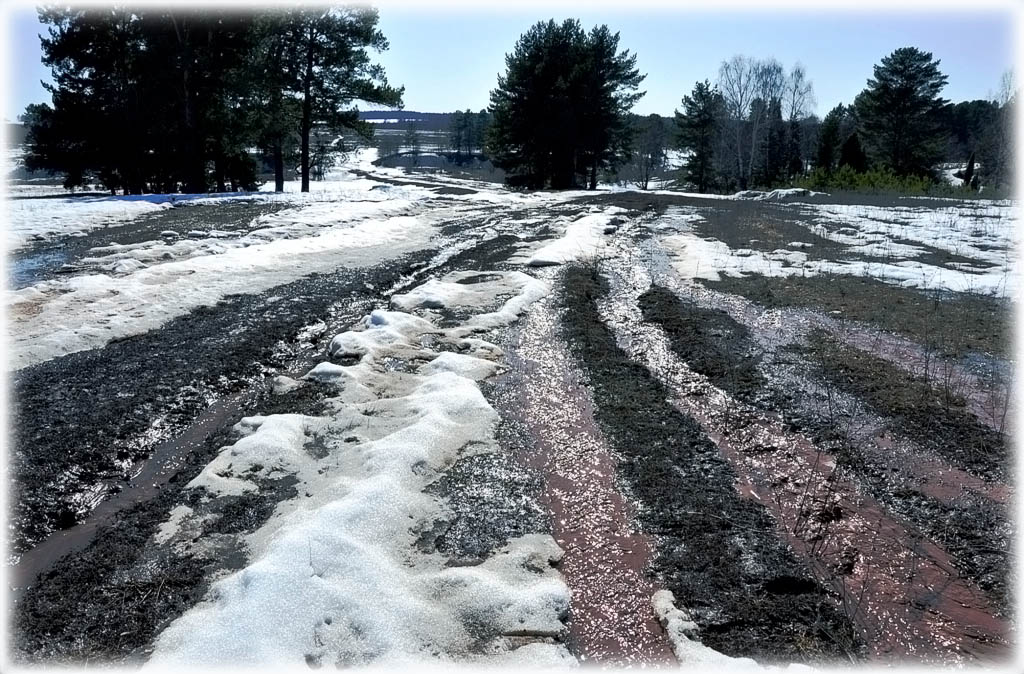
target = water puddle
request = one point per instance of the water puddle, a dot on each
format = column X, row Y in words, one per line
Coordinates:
column 611, row 619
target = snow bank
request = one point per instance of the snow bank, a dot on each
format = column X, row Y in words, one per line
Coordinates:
column 981, row 231
column 335, row 577
column 788, row 194
column 583, row 239
column 476, row 290
column 31, row 220
column 86, row 312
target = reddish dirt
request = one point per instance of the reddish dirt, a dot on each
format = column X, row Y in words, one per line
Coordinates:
column 611, row 620
column 901, row 590
column 988, row 400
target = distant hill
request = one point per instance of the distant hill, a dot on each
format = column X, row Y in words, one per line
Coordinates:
column 401, row 119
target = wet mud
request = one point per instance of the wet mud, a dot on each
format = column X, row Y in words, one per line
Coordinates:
column 851, row 540
column 718, row 552
column 612, row 619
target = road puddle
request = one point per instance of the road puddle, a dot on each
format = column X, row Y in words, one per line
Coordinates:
column 611, row 619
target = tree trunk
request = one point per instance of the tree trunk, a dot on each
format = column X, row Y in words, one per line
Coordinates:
column 307, row 111
column 218, row 168
column 278, row 166
column 593, row 176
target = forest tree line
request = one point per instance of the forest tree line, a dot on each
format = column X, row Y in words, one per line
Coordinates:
column 159, row 100
column 154, row 99
column 752, row 129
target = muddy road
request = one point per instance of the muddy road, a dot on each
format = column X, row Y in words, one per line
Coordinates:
column 805, row 477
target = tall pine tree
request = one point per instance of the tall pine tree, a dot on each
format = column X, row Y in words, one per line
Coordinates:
column 559, row 113
column 900, row 112
column 696, row 128
column 329, row 68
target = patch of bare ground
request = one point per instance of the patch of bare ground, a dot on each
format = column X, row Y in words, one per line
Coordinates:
column 905, row 592
column 964, row 513
column 934, row 418
column 950, row 324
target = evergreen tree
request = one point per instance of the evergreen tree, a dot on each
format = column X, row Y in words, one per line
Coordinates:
column 852, row 154
column 696, row 130
column 411, row 141
column 145, row 100
column 329, row 69
column 648, row 149
column 900, row 112
column 772, row 146
column 458, row 132
column 93, row 129
column 969, row 171
column 276, row 114
column 559, row 113
column 997, row 141
column 794, row 149
column 829, row 139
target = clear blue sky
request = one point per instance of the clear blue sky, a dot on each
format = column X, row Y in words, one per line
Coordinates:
column 450, row 58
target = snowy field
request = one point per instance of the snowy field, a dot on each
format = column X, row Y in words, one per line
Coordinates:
column 880, row 243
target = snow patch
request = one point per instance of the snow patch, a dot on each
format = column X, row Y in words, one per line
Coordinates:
column 335, row 577
column 787, row 194
column 583, row 239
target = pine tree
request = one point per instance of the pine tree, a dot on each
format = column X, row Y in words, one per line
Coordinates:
column 411, row 141
column 829, row 139
column 329, row 69
column 696, row 129
column 458, row 131
column 648, row 153
column 852, row 154
column 794, row 153
column 559, row 113
column 93, row 129
column 969, row 172
column 772, row 146
column 900, row 112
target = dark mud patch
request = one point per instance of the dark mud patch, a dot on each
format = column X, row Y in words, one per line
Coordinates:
column 643, row 202
column 82, row 423
column 107, row 603
column 717, row 552
column 935, row 419
column 975, row 532
column 457, row 191
column 709, row 340
column 765, row 227
column 488, row 255
column 951, row 324
column 493, row 499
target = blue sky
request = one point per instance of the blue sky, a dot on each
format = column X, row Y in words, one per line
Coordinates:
column 450, row 58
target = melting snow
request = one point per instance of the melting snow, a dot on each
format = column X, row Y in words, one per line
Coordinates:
column 583, row 239
column 334, row 576
column 894, row 237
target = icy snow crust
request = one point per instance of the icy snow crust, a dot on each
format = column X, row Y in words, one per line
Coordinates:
column 984, row 235
column 335, row 576
column 54, row 318
column 345, row 221
column 584, row 239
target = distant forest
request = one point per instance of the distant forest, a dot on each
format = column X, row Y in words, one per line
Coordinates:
column 197, row 100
